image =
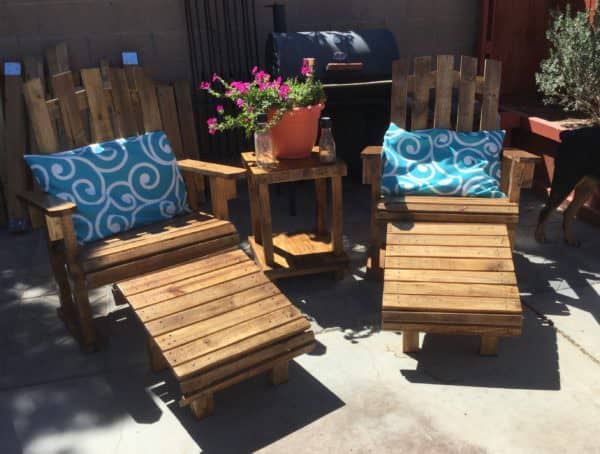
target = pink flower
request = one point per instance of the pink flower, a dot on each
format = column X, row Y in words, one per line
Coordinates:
column 212, row 125
column 284, row 90
column 262, row 76
column 242, row 87
column 262, row 86
column 214, row 77
column 220, row 108
column 204, row 85
column 240, row 103
column 254, row 70
column 306, row 67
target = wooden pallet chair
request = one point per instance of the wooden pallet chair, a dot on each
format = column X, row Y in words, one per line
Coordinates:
column 448, row 260
column 128, row 104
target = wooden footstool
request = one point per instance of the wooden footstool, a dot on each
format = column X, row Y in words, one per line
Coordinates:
column 450, row 278
column 214, row 322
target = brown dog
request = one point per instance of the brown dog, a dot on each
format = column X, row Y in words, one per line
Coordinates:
column 577, row 167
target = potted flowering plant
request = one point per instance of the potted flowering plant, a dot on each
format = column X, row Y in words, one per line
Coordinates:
column 293, row 107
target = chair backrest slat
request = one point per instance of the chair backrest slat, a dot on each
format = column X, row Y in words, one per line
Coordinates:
column 492, row 75
column 467, row 87
column 399, row 92
column 122, row 104
column 99, row 106
column 64, row 90
column 443, row 91
column 187, row 122
column 445, row 81
column 39, row 116
column 423, row 85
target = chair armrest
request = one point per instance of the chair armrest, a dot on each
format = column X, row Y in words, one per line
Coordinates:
column 371, row 152
column 371, row 168
column 211, row 169
column 50, row 205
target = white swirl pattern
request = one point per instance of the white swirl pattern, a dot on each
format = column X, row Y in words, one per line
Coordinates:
column 441, row 162
column 117, row 185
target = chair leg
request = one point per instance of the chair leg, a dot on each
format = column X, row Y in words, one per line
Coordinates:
column 67, row 310
column 279, row 373
column 377, row 240
column 489, row 345
column 84, row 314
column 203, row 406
column 410, row 341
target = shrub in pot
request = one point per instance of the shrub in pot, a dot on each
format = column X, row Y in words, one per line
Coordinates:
column 293, row 106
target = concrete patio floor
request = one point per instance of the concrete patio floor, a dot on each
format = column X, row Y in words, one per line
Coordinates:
column 357, row 392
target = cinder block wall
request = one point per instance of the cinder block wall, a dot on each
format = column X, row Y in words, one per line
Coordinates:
column 94, row 29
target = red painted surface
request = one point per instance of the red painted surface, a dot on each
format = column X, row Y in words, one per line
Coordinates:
column 514, row 32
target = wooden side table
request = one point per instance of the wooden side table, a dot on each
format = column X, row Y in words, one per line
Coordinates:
column 297, row 253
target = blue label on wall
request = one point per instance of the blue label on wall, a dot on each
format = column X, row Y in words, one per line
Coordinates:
column 129, row 58
column 12, row 68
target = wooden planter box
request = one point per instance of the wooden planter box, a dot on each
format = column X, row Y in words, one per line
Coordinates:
column 541, row 136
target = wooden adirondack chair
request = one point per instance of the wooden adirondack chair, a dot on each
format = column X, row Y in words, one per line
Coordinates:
column 126, row 104
column 431, row 253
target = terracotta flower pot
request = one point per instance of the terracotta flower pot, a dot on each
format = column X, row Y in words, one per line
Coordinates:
column 296, row 133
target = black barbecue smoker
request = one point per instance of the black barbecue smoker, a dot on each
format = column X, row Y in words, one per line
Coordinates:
column 356, row 68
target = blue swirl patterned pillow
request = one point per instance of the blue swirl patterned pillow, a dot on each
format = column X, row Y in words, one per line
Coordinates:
column 441, row 162
column 116, row 185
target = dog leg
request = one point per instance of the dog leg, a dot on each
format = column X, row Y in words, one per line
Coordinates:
column 540, row 230
column 583, row 191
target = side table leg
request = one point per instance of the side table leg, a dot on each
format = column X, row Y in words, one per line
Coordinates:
column 265, row 222
column 254, row 208
column 337, row 216
column 321, row 196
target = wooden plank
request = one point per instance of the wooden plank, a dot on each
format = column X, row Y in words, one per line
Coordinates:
column 438, row 263
column 156, row 244
column 146, row 91
column 209, row 309
column 265, row 335
column 466, row 94
column 269, row 365
column 450, row 200
column 195, row 283
column 194, row 299
column 450, row 289
column 446, row 240
column 3, row 165
column 187, row 122
column 122, row 103
column 452, row 329
column 399, row 92
column 450, row 318
column 466, row 277
column 99, row 113
column 443, row 91
column 447, row 228
column 57, row 59
column 427, row 216
column 168, row 115
column 64, row 90
column 15, row 137
column 211, row 169
column 43, row 127
column 484, row 305
column 208, row 378
column 232, row 335
column 181, row 271
column 491, row 96
column 449, row 251
column 501, row 209
column 420, row 109
column 222, row 322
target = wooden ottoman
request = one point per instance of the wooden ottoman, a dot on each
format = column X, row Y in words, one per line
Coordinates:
column 450, row 278
column 216, row 321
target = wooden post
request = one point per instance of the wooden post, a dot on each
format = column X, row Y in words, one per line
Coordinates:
column 203, row 406
column 410, row 341
column 337, row 216
column 266, row 223
column 279, row 373
column 321, row 196
column 489, row 345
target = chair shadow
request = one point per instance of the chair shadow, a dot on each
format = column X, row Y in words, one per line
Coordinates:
column 529, row 361
column 253, row 414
